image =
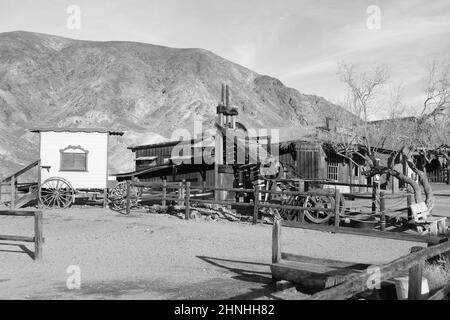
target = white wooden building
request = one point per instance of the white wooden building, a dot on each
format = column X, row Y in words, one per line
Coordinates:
column 78, row 155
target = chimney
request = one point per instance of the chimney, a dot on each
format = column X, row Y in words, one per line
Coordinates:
column 227, row 102
column 222, row 101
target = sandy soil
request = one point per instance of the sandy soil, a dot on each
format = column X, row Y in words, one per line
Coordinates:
column 146, row 256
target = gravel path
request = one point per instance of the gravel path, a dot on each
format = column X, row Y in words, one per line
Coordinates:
column 147, row 256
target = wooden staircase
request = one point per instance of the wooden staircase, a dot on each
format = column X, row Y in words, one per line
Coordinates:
column 16, row 195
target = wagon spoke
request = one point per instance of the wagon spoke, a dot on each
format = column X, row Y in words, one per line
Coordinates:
column 56, row 192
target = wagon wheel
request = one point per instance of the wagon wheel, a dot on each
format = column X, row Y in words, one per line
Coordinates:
column 118, row 196
column 56, row 192
column 323, row 202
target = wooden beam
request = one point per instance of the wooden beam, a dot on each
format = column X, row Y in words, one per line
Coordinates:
column 415, row 278
column 276, row 241
column 367, row 233
column 325, row 262
column 337, row 205
column 38, row 235
column 21, row 171
column 382, row 211
column 17, row 213
column 256, row 204
column 441, row 294
column 16, row 238
column 128, row 204
column 164, row 193
column 13, row 192
column 357, row 283
column 314, row 276
column 187, row 200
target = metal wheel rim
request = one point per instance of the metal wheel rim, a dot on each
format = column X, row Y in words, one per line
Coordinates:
column 56, row 193
column 117, row 196
column 319, row 216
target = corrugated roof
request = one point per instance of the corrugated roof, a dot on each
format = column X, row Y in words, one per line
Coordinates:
column 86, row 130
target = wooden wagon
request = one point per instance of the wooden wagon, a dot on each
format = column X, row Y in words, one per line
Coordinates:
column 73, row 164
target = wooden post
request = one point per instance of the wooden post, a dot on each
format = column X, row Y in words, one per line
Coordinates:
column 256, row 203
column 374, row 197
column 382, row 211
column 276, row 241
column 164, row 193
column 180, row 192
column 415, row 278
column 13, row 192
column 409, row 201
column 188, row 197
column 337, row 196
column 39, row 181
column 350, row 169
column 38, row 235
column 105, row 197
column 128, row 197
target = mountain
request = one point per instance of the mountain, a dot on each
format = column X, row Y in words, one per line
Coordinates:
column 146, row 90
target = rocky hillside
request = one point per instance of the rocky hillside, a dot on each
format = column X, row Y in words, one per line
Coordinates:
column 145, row 90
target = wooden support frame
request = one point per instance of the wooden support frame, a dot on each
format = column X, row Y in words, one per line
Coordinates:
column 38, row 238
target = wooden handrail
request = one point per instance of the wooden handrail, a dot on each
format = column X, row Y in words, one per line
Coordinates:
column 21, row 171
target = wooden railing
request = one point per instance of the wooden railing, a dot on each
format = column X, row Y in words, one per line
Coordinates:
column 12, row 182
column 185, row 197
column 38, row 238
column 439, row 176
column 355, row 283
column 413, row 263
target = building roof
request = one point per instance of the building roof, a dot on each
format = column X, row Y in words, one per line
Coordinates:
column 193, row 142
column 86, row 130
column 150, row 170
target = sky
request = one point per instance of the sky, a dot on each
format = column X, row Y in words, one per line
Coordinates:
column 299, row 42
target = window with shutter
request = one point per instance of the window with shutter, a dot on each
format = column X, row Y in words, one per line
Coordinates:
column 73, row 159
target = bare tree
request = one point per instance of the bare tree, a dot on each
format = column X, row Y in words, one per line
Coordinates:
column 363, row 87
column 437, row 100
column 404, row 138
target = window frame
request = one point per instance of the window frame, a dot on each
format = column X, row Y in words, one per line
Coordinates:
column 63, row 152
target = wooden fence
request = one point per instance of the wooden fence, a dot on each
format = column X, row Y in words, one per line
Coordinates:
column 439, row 176
column 38, row 238
column 185, row 196
column 355, row 283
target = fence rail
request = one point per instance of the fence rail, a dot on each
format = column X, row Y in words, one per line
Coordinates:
column 38, row 238
column 439, row 176
column 185, row 197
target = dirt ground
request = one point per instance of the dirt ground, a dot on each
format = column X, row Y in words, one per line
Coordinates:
column 147, row 256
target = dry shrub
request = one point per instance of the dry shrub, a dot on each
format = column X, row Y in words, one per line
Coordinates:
column 437, row 272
